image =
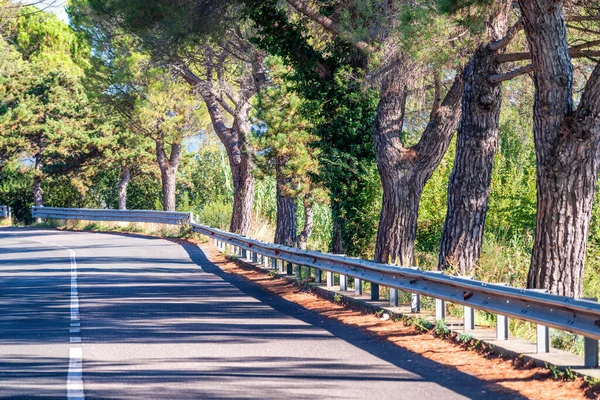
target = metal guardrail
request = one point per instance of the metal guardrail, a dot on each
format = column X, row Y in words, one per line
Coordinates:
column 86, row 214
column 578, row 316
column 5, row 212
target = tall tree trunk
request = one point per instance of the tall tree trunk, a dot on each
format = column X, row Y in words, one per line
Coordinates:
column 337, row 241
column 234, row 138
column 168, row 172
column 122, row 187
column 243, row 197
column 287, row 209
column 38, row 194
column 476, row 146
column 307, row 230
column 239, row 151
column 405, row 170
column 567, row 144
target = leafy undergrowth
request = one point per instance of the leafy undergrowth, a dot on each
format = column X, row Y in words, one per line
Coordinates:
column 433, row 341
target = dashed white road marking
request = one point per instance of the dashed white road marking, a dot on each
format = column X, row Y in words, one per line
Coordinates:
column 75, row 374
column 74, row 377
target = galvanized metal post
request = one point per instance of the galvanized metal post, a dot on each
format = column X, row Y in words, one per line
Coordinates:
column 502, row 327
column 358, row 289
column 374, row 291
column 415, row 299
column 244, row 253
column 468, row 314
column 469, row 318
column 393, row 297
column 318, row 276
column 415, row 303
column 274, row 263
column 440, row 309
column 289, row 269
column 543, row 339
column 590, row 348
column 329, row 279
column 255, row 257
column 343, row 282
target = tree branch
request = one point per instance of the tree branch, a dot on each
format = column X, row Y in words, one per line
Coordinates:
column 510, row 35
column 329, row 25
column 574, row 52
column 498, row 78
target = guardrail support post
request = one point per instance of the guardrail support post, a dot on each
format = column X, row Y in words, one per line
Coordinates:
column 440, row 309
column 501, row 327
column 244, row 253
column 415, row 299
column 393, row 297
column 590, row 348
column 415, row 303
column 543, row 339
column 318, row 277
column 343, row 282
column 329, row 279
column 289, row 269
column 274, row 263
column 298, row 271
column 358, row 286
column 255, row 257
column 469, row 318
column 374, row 291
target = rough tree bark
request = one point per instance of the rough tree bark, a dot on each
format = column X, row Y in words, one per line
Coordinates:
column 567, row 144
column 308, row 222
column 405, row 170
column 287, row 220
column 122, row 187
column 235, row 137
column 168, row 166
column 476, row 146
column 38, row 194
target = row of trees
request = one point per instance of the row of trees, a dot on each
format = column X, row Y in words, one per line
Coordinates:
column 350, row 102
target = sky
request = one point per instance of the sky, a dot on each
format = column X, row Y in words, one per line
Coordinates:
column 55, row 6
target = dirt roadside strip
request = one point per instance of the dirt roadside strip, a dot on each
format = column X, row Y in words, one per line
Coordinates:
column 512, row 374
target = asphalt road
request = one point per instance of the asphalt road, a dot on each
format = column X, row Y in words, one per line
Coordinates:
column 94, row 315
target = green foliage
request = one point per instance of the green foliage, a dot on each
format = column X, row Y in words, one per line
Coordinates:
column 329, row 78
column 441, row 329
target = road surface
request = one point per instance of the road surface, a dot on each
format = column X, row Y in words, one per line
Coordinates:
column 111, row 316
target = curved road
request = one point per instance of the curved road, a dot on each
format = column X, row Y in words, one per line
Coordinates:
column 96, row 315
